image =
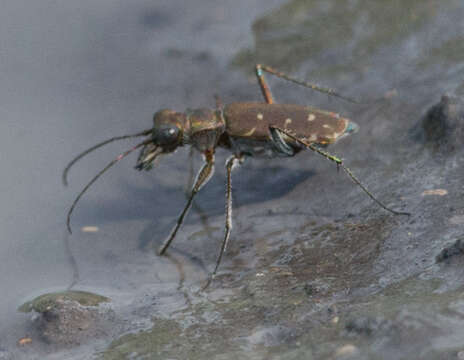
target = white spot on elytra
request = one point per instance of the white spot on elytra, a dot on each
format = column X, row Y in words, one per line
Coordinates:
column 327, row 126
column 312, row 138
column 288, row 121
column 311, row 117
column 259, row 116
column 249, row 133
column 335, row 135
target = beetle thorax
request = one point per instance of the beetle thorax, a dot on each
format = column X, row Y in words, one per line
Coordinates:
column 205, row 126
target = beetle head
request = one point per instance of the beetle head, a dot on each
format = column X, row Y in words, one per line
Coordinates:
column 167, row 134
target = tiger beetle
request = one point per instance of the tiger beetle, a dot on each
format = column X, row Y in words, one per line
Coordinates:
column 245, row 129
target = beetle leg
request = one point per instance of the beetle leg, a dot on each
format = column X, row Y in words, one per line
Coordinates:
column 339, row 163
column 280, row 145
column 230, row 164
column 191, row 173
column 197, row 208
column 263, row 84
column 203, row 176
column 267, row 94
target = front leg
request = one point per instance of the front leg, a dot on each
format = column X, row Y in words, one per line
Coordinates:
column 197, row 208
column 203, row 176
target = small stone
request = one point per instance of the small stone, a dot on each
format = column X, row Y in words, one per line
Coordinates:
column 439, row 192
column 89, row 229
column 66, row 318
column 442, row 127
column 24, row 341
column 367, row 325
column 453, row 250
column 346, row 351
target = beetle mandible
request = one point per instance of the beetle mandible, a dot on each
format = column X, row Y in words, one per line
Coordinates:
column 245, row 129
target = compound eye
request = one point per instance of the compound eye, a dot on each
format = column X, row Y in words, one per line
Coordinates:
column 166, row 134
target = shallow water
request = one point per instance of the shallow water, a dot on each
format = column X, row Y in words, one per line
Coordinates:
column 72, row 75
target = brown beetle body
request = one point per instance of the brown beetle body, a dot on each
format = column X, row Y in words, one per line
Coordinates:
column 247, row 122
column 245, row 129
